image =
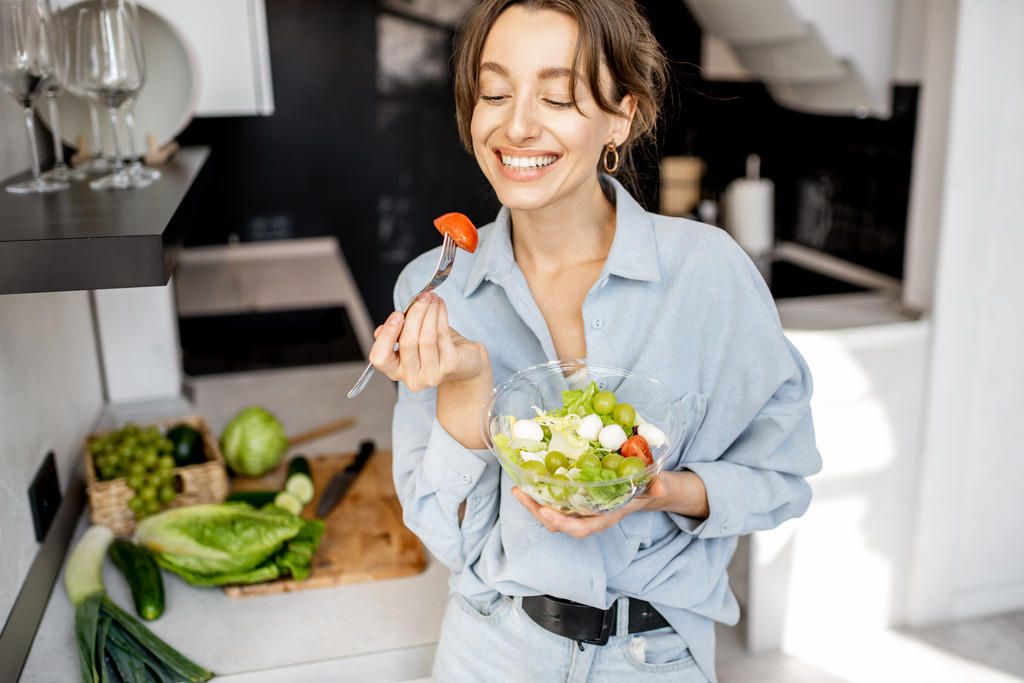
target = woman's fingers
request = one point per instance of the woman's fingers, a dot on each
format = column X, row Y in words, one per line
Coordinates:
column 382, row 354
column 581, row 527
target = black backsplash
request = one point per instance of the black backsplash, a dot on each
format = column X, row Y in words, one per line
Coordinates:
column 372, row 161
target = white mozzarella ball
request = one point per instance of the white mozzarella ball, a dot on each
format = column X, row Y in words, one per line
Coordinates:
column 527, row 429
column 590, row 427
column 612, row 437
column 653, row 434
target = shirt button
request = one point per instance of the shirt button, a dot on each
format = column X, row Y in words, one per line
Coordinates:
column 725, row 527
column 603, row 282
column 597, row 323
column 466, row 479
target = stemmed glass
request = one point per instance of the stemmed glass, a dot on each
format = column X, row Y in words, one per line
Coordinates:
column 27, row 52
column 107, row 68
column 136, row 167
column 54, row 85
column 98, row 164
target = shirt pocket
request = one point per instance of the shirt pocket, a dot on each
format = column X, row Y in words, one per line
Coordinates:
column 691, row 410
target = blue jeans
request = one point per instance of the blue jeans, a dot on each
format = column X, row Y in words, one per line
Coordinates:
column 498, row 642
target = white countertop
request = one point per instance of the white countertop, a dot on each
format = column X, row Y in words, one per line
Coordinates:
column 376, row 631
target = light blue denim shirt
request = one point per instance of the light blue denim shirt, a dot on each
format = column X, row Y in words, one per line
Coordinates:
column 680, row 301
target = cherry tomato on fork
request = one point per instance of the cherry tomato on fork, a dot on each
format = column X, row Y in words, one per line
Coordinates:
column 460, row 228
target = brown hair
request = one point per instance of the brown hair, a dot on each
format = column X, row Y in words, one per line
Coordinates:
column 611, row 32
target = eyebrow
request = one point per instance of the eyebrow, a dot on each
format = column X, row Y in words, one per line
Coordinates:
column 545, row 73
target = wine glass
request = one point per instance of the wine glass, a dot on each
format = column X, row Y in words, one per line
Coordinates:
column 107, row 69
column 27, row 54
column 54, row 85
column 98, row 164
column 136, row 167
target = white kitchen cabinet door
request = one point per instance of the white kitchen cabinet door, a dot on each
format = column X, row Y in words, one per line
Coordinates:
column 232, row 53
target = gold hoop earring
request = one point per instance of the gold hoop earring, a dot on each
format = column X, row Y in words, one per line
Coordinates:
column 610, row 149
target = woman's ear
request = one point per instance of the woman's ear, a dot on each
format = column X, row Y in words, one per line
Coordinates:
column 624, row 121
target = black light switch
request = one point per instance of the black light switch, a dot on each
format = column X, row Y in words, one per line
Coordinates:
column 44, row 496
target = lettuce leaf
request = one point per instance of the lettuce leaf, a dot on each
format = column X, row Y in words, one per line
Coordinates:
column 229, row 543
column 579, row 401
column 602, row 493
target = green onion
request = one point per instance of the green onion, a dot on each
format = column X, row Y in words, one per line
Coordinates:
column 112, row 644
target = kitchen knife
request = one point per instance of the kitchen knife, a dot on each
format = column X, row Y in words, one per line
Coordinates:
column 340, row 482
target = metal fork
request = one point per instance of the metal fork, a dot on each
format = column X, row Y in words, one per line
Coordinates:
column 444, row 266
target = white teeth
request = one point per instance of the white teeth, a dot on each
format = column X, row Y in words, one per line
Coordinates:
column 527, row 162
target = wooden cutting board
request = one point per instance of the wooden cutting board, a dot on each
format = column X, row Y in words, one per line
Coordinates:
column 364, row 537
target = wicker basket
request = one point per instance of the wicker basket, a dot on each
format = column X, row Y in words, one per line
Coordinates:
column 203, row 483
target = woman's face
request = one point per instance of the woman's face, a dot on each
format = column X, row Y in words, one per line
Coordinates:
column 535, row 148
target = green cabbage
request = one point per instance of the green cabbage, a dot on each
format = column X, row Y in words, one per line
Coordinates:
column 229, row 543
column 253, row 442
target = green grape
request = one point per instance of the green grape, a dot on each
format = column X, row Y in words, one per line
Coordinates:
column 535, row 467
column 137, row 467
column 553, row 460
column 624, row 414
column 134, row 482
column 153, row 507
column 604, row 402
column 631, row 466
column 137, row 505
column 612, row 461
column 166, row 494
column 148, row 492
column 560, row 492
column 166, row 463
column 588, row 460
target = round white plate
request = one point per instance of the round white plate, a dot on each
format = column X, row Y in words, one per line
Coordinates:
column 165, row 104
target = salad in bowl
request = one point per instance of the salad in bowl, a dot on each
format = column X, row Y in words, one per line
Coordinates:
column 580, row 436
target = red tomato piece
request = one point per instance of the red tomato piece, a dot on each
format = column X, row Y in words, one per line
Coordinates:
column 637, row 447
column 460, row 228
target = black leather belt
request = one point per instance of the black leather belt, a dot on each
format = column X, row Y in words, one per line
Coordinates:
column 586, row 624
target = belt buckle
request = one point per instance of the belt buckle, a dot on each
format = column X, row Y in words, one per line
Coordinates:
column 607, row 626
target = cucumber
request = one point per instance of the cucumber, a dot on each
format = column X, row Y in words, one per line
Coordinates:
column 142, row 573
column 301, row 486
column 288, row 502
column 299, row 480
column 188, row 445
column 255, row 498
column 299, row 465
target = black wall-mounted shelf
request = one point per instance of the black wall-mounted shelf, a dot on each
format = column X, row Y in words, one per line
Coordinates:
column 80, row 238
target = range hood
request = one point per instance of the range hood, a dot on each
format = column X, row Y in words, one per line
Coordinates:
column 815, row 56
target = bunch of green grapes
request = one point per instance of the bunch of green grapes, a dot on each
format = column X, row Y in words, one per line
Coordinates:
column 142, row 455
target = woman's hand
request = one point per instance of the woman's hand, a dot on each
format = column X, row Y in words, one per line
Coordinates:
column 681, row 492
column 429, row 353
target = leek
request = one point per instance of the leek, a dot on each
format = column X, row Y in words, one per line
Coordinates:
column 112, row 644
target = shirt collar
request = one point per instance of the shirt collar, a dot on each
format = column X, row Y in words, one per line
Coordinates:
column 633, row 255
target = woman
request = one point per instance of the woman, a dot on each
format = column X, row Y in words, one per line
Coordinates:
column 551, row 96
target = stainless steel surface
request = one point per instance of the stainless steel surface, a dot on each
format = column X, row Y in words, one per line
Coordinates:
column 444, row 266
column 342, row 481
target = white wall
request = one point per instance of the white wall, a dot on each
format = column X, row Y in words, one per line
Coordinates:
column 50, row 395
column 969, row 546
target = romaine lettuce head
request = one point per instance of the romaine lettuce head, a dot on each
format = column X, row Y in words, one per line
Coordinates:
column 217, row 538
column 253, row 442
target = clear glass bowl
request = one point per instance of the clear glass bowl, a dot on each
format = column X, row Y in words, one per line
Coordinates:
column 541, row 386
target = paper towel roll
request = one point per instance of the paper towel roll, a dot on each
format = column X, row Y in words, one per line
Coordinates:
column 750, row 214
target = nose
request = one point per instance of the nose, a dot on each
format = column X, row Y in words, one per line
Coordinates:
column 523, row 123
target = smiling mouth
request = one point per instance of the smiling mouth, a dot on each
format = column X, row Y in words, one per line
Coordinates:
column 526, row 163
